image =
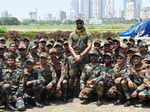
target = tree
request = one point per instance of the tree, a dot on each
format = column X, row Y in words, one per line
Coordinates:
column 9, row 21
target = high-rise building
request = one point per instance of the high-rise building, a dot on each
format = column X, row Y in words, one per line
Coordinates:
column 109, row 9
column 84, row 9
column 34, row 14
column 60, row 15
column 5, row 14
column 75, row 7
column 96, row 9
column 130, row 12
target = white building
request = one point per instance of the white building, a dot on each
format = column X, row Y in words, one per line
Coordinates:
column 109, row 9
column 33, row 14
column 84, row 9
column 5, row 14
column 60, row 15
column 130, row 11
column 145, row 13
column 96, row 9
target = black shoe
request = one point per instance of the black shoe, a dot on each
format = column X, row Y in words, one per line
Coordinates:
column 38, row 104
column 127, row 103
column 85, row 102
column 46, row 102
column 99, row 103
column 11, row 107
column 117, row 102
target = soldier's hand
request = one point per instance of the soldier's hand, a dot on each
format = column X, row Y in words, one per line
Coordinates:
column 130, row 84
column 58, row 86
column 28, row 83
column 15, row 98
column 89, row 82
column 77, row 58
column 134, row 94
column 49, row 86
column 117, row 80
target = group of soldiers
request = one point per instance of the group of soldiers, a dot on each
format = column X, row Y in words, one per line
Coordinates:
column 35, row 73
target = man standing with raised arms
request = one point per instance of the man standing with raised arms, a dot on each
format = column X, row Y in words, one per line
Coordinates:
column 79, row 45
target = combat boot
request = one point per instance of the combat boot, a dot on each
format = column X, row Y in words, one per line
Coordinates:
column 128, row 103
column 118, row 101
column 85, row 102
column 99, row 101
column 11, row 107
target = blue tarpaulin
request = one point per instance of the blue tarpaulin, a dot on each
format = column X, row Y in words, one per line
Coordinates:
column 138, row 30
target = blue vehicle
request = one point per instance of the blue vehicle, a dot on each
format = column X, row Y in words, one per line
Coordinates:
column 140, row 29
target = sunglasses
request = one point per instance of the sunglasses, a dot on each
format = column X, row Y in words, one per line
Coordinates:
column 22, row 49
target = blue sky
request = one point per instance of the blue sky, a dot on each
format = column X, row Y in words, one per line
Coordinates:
column 21, row 8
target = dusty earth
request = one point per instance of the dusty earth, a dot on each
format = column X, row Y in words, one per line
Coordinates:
column 75, row 106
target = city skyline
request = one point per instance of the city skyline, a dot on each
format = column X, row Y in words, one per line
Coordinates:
column 21, row 9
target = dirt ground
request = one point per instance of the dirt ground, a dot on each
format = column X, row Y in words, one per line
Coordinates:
column 75, row 106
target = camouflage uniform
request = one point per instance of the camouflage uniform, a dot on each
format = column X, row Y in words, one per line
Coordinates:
column 34, row 90
column 13, row 85
column 89, row 72
column 79, row 44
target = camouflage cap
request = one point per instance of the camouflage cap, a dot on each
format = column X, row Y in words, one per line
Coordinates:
column 57, row 44
column 93, row 51
column 2, row 39
column 65, row 42
column 26, row 40
column 97, row 42
column 107, row 55
column 16, row 39
column 30, row 60
column 42, row 40
column 137, row 55
column 120, row 55
column 53, row 50
column 49, row 44
column 22, row 46
column 143, row 44
column 36, row 41
column 44, row 54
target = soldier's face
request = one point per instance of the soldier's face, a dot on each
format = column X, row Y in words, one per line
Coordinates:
column 136, row 60
column 79, row 25
column 1, row 51
column 12, row 48
column 97, row 46
column 29, row 65
column 11, row 62
column 43, row 60
column 58, row 49
column 107, row 60
column 120, row 60
column 93, row 58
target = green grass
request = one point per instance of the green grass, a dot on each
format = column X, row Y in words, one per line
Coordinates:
column 67, row 27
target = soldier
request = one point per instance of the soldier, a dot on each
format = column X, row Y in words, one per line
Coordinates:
column 27, row 45
column 88, row 84
column 79, row 45
column 34, row 53
column 21, row 59
column 42, row 46
column 105, row 80
column 12, row 50
column 143, row 50
column 33, row 83
column 50, row 78
column 121, row 72
column 12, row 78
column 138, row 80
